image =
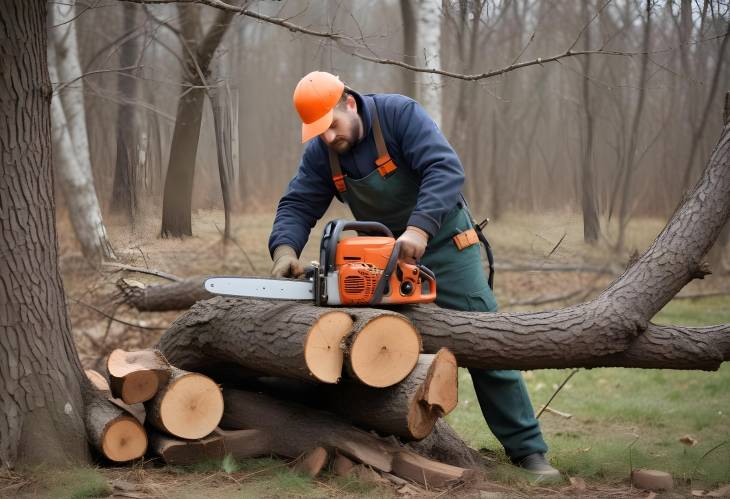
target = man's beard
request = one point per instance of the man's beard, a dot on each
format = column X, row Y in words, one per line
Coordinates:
column 342, row 143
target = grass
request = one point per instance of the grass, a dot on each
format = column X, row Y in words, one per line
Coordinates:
column 73, row 483
column 624, row 418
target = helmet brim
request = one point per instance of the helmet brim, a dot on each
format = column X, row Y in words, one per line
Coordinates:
column 311, row 130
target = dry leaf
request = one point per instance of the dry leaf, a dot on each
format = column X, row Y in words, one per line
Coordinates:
column 577, row 484
column 698, row 493
column 688, row 440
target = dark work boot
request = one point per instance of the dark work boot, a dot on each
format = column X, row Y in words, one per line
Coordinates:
column 539, row 467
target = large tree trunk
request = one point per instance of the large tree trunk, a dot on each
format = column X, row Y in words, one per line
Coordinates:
column 197, row 54
column 71, row 143
column 41, row 378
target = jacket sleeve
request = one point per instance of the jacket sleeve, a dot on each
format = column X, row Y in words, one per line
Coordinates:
column 430, row 155
column 307, row 198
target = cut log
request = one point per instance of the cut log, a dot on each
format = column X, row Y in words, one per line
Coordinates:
column 100, row 383
column 292, row 339
column 160, row 297
column 428, row 472
column 241, row 444
column 383, row 348
column 98, row 380
column 408, row 409
column 115, row 434
column 136, row 376
column 312, row 462
column 189, row 406
column 296, row 429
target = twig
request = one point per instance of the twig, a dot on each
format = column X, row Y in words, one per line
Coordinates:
column 556, row 412
column 113, row 318
column 132, row 268
column 63, row 85
column 565, row 381
column 699, row 461
column 556, row 246
column 248, row 259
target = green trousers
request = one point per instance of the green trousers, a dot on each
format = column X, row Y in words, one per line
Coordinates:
column 461, row 284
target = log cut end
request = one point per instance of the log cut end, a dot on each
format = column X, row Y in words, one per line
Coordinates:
column 322, row 352
column 384, row 351
column 124, row 439
column 436, row 397
column 97, row 380
column 442, row 383
column 136, row 376
column 192, row 406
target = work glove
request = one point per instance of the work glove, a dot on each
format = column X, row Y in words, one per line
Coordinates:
column 412, row 244
column 286, row 263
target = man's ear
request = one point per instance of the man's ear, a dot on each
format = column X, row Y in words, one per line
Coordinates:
column 351, row 103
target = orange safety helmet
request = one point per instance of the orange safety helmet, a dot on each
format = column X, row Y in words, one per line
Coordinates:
column 315, row 98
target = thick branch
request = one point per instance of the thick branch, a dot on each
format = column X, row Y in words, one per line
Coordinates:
column 339, row 37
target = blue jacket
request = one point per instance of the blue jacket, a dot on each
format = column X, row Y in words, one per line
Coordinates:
column 413, row 140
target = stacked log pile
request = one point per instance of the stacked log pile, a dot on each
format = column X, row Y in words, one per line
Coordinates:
column 142, row 388
column 144, row 400
column 325, row 385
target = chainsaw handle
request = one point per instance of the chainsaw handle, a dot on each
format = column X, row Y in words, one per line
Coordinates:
column 331, row 236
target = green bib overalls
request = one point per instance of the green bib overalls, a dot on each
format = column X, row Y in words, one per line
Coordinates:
column 389, row 198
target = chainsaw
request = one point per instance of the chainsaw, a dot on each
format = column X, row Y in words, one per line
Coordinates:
column 358, row 270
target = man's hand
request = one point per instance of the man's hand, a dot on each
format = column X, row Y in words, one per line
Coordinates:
column 286, row 263
column 412, row 244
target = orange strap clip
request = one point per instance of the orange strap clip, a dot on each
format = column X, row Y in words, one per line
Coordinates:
column 339, row 181
column 465, row 239
column 385, row 164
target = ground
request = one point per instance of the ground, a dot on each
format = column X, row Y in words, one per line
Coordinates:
column 619, row 418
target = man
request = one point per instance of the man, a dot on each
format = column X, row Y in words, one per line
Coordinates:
column 384, row 157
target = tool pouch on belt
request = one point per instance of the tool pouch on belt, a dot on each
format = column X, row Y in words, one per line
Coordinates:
column 472, row 236
column 463, row 240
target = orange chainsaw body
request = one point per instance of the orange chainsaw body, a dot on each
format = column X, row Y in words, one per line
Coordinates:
column 359, row 264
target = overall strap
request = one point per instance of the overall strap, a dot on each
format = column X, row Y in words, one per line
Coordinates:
column 385, row 164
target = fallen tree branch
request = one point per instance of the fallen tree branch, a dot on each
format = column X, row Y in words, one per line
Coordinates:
column 132, row 268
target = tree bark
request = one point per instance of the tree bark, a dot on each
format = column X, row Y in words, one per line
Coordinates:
column 160, row 297
column 41, row 378
column 409, row 409
column 240, row 444
column 296, row 430
column 70, row 139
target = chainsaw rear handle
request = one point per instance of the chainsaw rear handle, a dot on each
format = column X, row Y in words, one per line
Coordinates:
column 331, row 236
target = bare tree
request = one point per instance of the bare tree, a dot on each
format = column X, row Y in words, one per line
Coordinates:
column 72, row 144
column 198, row 50
column 124, row 189
column 429, row 51
column 589, row 205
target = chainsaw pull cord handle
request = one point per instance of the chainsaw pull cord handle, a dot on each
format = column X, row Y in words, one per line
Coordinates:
column 385, row 277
